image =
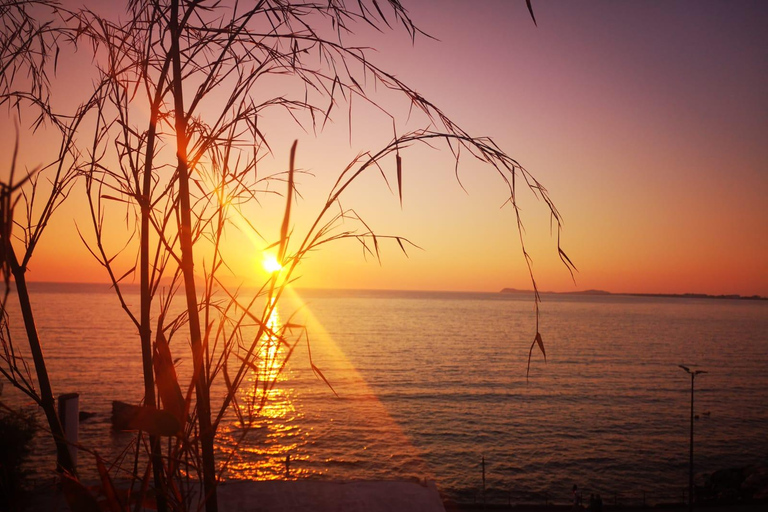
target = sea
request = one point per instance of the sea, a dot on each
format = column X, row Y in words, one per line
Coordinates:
column 437, row 386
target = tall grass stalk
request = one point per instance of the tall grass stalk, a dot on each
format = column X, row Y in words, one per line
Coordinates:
column 26, row 48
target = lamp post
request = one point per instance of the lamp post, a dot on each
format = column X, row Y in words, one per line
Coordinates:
column 693, row 375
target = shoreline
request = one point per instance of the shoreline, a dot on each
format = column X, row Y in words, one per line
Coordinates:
column 758, row 506
column 603, row 293
column 357, row 496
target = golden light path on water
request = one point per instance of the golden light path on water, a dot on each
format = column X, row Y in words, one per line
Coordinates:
column 263, row 400
column 282, row 432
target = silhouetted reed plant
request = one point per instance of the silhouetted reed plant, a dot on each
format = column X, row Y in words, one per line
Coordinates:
column 169, row 143
column 27, row 48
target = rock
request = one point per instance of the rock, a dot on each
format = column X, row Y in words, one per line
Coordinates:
column 85, row 415
column 736, row 484
column 755, row 483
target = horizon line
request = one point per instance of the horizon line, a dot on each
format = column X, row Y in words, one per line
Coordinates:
column 504, row 290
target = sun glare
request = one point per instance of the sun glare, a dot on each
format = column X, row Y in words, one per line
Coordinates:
column 271, row 264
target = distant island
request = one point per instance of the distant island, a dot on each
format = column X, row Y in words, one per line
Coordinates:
column 671, row 295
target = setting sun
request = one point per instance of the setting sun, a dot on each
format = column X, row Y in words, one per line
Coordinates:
column 270, row 263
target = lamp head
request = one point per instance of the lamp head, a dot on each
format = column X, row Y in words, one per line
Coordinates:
column 688, row 370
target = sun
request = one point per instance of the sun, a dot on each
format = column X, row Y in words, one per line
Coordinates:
column 270, row 263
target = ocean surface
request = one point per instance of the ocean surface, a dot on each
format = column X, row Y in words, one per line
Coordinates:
column 434, row 385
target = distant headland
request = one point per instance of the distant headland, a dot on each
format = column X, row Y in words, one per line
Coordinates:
column 670, row 295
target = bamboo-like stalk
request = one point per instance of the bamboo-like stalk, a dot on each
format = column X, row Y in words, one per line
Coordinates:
column 47, row 400
column 187, row 266
column 26, row 43
column 146, row 295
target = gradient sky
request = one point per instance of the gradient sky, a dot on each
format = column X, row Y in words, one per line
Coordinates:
column 646, row 121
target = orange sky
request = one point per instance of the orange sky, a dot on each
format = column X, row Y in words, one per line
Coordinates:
column 646, row 121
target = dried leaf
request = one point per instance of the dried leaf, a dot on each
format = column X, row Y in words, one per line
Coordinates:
column 250, row 364
column 536, row 341
column 127, row 273
column 540, row 342
column 565, row 257
column 77, row 496
column 402, row 247
column 108, row 487
column 227, row 380
column 113, row 198
column 400, row 178
column 153, row 421
column 530, row 10
column 381, row 14
column 167, row 381
column 144, row 499
column 288, row 201
column 320, row 374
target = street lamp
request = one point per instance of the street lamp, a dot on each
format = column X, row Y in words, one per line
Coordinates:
column 693, row 375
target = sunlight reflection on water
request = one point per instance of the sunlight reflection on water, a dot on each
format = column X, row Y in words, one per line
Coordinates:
column 266, row 405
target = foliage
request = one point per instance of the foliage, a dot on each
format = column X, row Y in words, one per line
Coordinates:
column 171, row 142
column 26, row 45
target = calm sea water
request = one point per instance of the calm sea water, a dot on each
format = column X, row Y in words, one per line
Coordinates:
column 430, row 384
